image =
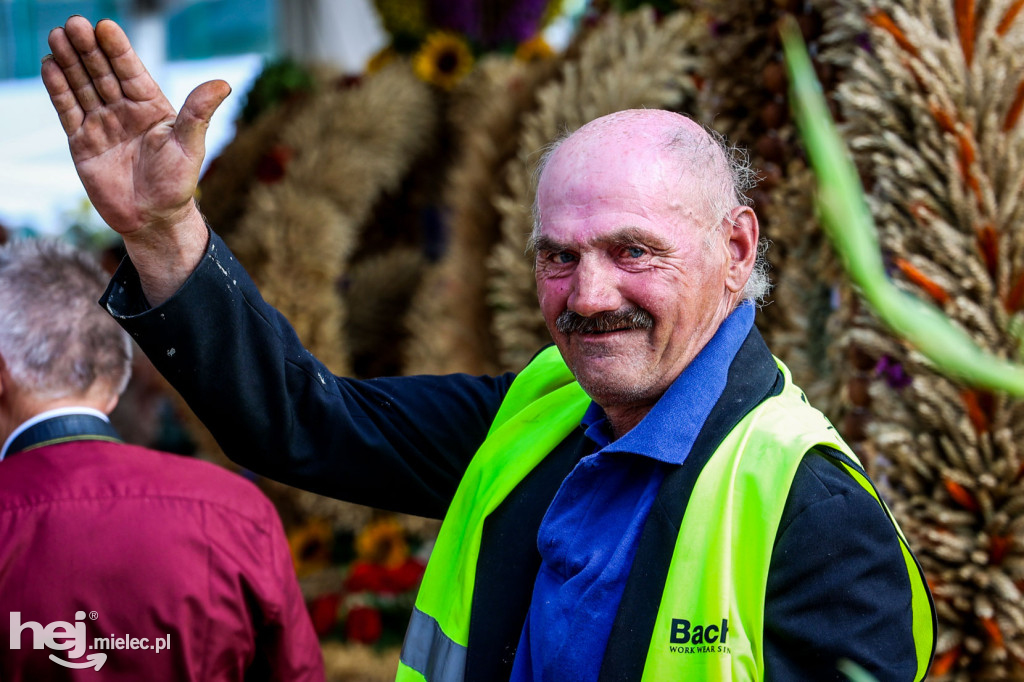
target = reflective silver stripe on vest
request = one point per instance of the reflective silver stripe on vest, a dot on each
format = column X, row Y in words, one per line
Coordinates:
column 430, row 652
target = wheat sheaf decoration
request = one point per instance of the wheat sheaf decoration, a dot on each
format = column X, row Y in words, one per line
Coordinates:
column 750, row 107
column 310, row 172
column 343, row 151
column 931, row 102
column 449, row 321
column 628, row 61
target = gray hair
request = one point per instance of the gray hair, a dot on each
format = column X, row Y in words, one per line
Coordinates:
column 730, row 177
column 55, row 339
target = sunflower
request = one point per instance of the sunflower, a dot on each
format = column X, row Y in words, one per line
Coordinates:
column 534, row 50
column 403, row 17
column 382, row 542
column 443, row 59
column 552, row 12
column 310, row 545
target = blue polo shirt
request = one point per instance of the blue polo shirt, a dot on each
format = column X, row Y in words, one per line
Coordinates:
column 590, row 533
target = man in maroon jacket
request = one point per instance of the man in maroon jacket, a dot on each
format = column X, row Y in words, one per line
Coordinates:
column 113, row 558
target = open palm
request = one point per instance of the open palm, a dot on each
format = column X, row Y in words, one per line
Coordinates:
column 138, row 159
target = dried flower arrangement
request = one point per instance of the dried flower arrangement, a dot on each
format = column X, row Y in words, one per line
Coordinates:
column 444, row 38
column 298, row 186
column 360, row 587
column 308, row 206
column 931, row 97
column 627, row 61
column 450, row 321
column 750, row 106
column 315, row 196
column 931, row 100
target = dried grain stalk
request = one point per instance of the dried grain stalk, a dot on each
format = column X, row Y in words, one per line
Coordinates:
column 449, row 321
column 353, row 662
column 798, row 319
column 629, row 61
column 225, row 186
column 931, row 114
column 344, row 150
column 377, row 294
column 306, row 212
column 750, row 106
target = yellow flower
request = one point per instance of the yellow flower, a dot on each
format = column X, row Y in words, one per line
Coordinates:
column 402, row 17
column 552, row 11
column 382, row 542
column 381, row 59
column 311, row 546
column 535, row 49
column 443, row 59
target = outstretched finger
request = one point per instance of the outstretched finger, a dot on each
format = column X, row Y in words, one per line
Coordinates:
column 63, row 99
column 194, row 117
column 133, row 78
column 83, row 38
column 77, row 77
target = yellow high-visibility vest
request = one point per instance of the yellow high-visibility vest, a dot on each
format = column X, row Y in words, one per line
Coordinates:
column 710, row 622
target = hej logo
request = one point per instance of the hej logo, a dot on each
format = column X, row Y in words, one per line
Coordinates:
column 60, row 636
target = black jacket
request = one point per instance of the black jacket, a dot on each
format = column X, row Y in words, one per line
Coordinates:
column 837, row 586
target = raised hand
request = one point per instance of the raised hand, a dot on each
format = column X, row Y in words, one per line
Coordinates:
column 138, row 159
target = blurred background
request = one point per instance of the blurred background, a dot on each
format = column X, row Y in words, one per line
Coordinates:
column 183, row 43
column 373, row 171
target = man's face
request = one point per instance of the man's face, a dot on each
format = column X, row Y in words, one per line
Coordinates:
column 622, row 231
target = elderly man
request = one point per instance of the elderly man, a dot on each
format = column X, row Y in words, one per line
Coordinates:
column 651, row 498
column 183, row 563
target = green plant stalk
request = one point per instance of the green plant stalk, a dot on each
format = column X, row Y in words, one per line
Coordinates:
column 854, row 672
column 848, row 224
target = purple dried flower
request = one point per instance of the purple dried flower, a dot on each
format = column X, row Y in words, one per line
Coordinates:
column 490, row 23
column 892, row 371
column 863, row 41
column 518, row 22
column 460, row 16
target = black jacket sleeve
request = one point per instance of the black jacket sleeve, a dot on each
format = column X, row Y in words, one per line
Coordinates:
column 393, row 443
column 838, row 587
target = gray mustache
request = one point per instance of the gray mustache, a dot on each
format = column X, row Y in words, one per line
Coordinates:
column 569, row 322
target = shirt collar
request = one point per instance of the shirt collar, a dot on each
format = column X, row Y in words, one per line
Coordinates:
column 668, row 431
column 43, row 416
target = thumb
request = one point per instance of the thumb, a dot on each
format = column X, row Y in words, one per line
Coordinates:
column 194, row 117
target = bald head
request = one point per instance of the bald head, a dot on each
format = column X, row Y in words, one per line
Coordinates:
column 637, row 126
column 656, row 141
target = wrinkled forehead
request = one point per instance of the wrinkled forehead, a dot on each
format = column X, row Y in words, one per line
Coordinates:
column 663, row 154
